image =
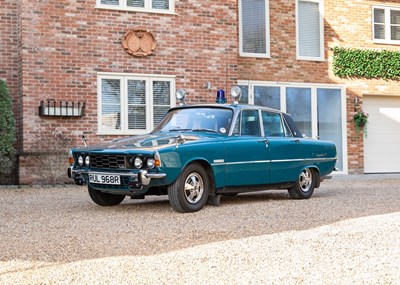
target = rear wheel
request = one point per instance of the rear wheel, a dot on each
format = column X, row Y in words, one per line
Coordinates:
column 304, row 187
column 105, row 199
column 189, row 192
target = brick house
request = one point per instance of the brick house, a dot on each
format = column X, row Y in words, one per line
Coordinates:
column 279, row 52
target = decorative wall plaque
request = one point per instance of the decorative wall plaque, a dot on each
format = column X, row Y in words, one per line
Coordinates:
column 139, row 42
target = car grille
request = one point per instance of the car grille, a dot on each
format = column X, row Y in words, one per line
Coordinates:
column 107, row 161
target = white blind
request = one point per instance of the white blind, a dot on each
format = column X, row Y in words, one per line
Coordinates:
column 161, row 100
column 160, row 4
column 135, row 3
column 137, row 104
column 253, row 26
column 111, row 104
column 309, row 29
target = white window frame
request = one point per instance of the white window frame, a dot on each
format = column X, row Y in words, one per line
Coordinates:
column 147, row 7
column 321, row 31
column 314, row 114
column 267, row 53
column 387, row 39
column 124, row 77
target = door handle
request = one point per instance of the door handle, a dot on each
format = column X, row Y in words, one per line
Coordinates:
column 296, row 141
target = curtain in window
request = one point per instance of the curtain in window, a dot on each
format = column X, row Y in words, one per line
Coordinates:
column 137, row 104
column 161, row 100
column 253, row 23
column 111, row 104
column 309, row 29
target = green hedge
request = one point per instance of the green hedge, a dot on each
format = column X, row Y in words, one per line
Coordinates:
column 7, row 131
column 368, row 64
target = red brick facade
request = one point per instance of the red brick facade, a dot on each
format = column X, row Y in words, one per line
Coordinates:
column 54, row 50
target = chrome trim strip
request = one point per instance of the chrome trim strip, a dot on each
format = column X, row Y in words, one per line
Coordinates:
column 304, row 159
column 274, row 161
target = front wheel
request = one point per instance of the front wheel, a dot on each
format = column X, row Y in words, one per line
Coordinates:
column 305, row 184
column 189, row 192
column 105, row 199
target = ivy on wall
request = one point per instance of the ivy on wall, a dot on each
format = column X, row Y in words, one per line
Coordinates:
column 368, row 64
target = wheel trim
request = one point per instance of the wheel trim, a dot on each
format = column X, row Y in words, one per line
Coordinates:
column 193, row 188
column 305, row 180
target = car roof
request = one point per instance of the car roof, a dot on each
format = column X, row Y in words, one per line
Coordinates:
column 228, row 106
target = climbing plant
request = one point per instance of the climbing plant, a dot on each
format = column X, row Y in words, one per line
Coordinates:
column 368, row 64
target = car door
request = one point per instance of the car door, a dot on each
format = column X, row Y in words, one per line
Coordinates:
column 284, row 149
column 247, row 156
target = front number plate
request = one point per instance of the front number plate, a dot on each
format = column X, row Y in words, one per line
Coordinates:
column 104, row 179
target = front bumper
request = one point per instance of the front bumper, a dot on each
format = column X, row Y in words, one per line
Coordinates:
column 131, row 180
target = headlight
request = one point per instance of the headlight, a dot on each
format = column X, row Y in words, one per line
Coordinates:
column 138, row 162
column 151, row 163
column 87, row 160
column 80, row 160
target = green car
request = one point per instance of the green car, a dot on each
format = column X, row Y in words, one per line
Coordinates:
column 198, row 153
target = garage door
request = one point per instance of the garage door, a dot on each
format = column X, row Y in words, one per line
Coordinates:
column 382, row 143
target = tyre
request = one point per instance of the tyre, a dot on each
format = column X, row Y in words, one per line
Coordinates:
column 189, row 193
column 105, row 199
column 305, row 184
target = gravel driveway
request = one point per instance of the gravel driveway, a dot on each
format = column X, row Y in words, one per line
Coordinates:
column 348, row 232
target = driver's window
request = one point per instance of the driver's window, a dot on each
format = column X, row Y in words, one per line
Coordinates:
column 250, row 123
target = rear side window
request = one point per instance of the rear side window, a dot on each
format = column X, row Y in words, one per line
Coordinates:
column 273, row 125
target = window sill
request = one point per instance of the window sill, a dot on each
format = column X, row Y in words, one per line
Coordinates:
column 384, row 42
column 117, row 8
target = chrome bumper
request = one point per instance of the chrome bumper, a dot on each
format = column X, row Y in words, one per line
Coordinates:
column 142, row 176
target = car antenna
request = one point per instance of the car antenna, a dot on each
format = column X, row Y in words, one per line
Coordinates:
column 84, row 140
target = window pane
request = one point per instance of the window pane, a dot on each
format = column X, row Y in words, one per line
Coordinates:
column 272, row 125
column 110, row 2
column 379, row 16
column 254, row 26
column 136, row 104
column 298, row 104
column 161, row 100
column 395, row 33
column 250, row 123
column 110, row 104
column 330, row 119
column 135, row 3
column 244, row 98
column 137, row 117
column 160, row 4
column 136, row 92
column 159, row 113
column 395, row 17
column 309, row 29
column 267, row 96
column 379, row 32
column 162, row 93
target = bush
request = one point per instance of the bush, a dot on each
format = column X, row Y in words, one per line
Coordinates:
column 7, row 131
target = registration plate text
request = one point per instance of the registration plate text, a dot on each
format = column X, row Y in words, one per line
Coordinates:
column 104, row 179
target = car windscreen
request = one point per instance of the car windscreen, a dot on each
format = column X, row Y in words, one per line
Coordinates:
column 213, row 120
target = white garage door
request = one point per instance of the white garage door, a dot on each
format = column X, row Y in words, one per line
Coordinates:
column 382, row 143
